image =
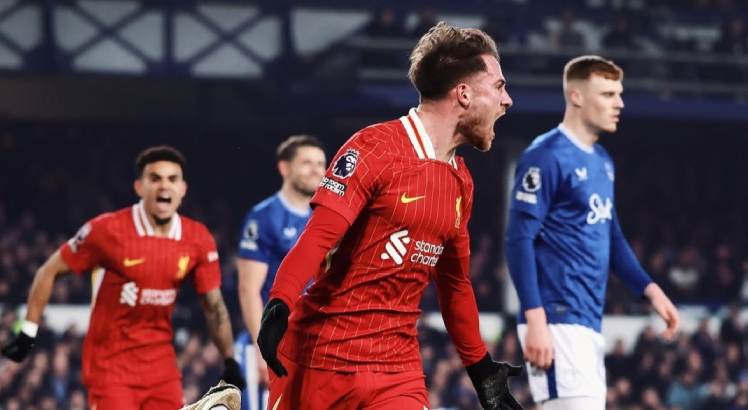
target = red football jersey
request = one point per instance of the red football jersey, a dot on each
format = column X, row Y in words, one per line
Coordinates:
column 135, row 278
column 406, row 210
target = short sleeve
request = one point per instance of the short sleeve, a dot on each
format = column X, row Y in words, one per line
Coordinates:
column 84, row 250
column 353, row 176
column 536, row 180
column 207, row 272
column 256, row 237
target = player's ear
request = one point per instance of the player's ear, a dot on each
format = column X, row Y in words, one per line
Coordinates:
column 574, row 96
column 283, row 168
column 138, row 186
column 463, row 93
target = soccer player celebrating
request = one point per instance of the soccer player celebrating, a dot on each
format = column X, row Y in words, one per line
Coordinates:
column 269, row 231
column 564, row 236
column 390, row 215
column 138, row 256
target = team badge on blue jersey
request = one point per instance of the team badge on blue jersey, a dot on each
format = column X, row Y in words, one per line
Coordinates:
column 252, row 231
column 290, row 231
column 345, row 164
column 581, row 173
column 250, row 236
column 531, row 180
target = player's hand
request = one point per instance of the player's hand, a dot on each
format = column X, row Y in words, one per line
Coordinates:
column 232, row 373
column 538, row 341
column 262, row 369
column 272, row 327
column 19, row 347
column 665, row 308
column 490, row 379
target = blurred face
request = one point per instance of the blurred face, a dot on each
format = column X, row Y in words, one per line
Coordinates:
column 600, row 102
column 305, row 171
column 161, row 187
column 485, row 99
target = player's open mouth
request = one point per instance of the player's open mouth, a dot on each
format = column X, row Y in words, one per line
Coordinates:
column 163, row 199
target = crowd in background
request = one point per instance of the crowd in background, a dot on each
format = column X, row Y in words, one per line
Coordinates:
column 701, row 370
column 648, row 38
column 682, row 205
column 685, row 223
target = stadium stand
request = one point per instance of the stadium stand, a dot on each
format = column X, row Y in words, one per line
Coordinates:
column 680, row 192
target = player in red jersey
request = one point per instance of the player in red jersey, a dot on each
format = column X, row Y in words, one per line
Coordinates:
column 390, row 215
column 138, row 257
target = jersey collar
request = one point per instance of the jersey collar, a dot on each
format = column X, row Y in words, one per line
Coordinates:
column 290, row 208
column 143, row 225
column 574, row 140
column 419, row 138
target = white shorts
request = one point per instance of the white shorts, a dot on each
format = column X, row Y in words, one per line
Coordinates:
column 578, row 368
column 254, row 396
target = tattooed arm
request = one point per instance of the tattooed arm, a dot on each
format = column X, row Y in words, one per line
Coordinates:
column 219, row 324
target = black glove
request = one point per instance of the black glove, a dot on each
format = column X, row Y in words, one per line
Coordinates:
column 19, row 347
column 490, row 380
column 273, row 326
column 232, row 374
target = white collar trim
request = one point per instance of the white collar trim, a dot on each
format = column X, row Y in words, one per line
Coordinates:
column 419, row 138
column 425, row 138
column 291, row 208
column 143, row 225
column 576, row 141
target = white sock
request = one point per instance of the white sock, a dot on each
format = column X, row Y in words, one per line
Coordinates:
column 219, row 407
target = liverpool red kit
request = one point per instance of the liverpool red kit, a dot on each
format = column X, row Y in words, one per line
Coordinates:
column 408, row 215
column 135, row 277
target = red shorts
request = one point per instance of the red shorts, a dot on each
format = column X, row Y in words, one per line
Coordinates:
column 165, row 396
column 311, row 389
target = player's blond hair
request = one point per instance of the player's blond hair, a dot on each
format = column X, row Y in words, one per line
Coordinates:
column 446, row 55
column 583, row 67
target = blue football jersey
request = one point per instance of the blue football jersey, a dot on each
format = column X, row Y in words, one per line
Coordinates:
column 568, row 187
column 269, row 231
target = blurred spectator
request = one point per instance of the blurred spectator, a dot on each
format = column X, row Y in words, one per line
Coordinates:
column 620, row 37
column 684, row 392
column 741, row 399
column 724, row 285
column 733, row 41
column 650, row 400
column 705, row 345
column 685, row 274
column 425, row 19
column 567, row 36
column 497, row 26
column 385, row 23
column 744, row 282
column 617, row 362
column 733, row 38
column 624, row 394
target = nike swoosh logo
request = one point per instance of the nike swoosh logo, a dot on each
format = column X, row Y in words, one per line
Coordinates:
column 129, row 263
column 406, row 199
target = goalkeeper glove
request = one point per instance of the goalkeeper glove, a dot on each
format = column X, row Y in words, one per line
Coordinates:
column 273, row 326
column 490, row 379
column 18, row 348
column 232, row 373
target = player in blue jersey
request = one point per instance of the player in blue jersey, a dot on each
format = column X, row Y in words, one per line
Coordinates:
column 563, row 238
column 269, row 231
